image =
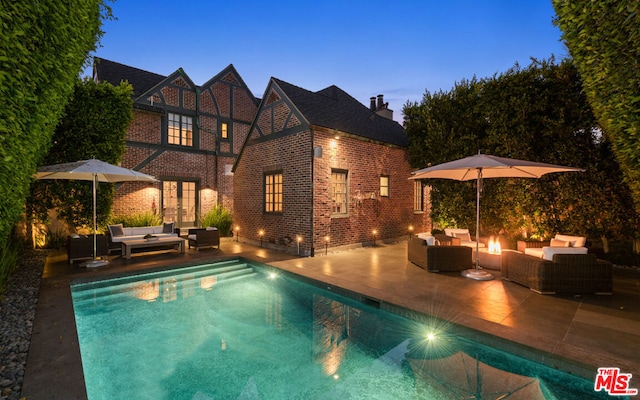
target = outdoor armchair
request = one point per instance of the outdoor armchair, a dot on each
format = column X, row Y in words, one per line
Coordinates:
column 438, row 258
column 204, row 237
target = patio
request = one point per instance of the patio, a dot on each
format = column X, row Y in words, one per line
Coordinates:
column 596, row 331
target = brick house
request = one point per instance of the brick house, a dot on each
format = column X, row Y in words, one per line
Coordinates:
column 185, row 135
column 320, row 169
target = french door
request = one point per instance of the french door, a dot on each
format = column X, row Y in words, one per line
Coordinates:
column 179, row 203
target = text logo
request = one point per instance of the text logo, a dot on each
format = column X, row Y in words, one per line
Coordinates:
column 614, row 382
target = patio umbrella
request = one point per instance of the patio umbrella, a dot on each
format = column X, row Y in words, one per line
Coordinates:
column 462, row 376
column 95, row 171
column 482, row 166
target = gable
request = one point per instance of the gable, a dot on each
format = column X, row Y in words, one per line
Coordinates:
column 227, row 96
column 277, row 114
column 175, row 91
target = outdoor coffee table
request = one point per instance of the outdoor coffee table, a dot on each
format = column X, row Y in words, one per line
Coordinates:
column 127, row 245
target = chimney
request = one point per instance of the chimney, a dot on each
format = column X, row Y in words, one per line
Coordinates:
column 373, row 104
column 382, row 108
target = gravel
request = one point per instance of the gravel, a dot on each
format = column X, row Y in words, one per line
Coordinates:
column 17, row 311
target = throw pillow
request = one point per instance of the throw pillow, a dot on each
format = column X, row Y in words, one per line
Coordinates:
column 167, row 227
column 559, row 243
column 116, row 230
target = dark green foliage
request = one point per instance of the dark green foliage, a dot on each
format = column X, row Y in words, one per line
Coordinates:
column 537, row 113
column 94, row 126
column 140, row 219
column 43, row 46
column 603, row 37
column 219, row 217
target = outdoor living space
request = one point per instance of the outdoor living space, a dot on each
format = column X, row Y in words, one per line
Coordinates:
column 573, row 333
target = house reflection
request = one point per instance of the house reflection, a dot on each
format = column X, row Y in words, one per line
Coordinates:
column 331, row 332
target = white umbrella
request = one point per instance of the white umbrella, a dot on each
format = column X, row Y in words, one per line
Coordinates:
column 95, row 171
column 482, row 166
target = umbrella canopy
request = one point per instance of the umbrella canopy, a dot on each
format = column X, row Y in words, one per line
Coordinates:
column 88, row 170
column 461, row 376
column 466, row 169
column 95, row 171
column 482, row 166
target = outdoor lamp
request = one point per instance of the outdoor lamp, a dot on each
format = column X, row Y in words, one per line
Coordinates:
column 326, row 245
column 298, row 239
column 261, row 234
column 375, row 232
column 237, row 232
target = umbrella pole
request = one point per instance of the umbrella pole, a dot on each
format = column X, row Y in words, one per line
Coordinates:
column 95, row 262
column 477, row 274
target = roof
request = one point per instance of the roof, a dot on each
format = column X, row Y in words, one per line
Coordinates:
column 333, row 108
column 114, row 73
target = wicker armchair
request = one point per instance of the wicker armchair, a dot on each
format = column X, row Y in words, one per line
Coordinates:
column 438, row 258
column 203, row 237
column 80, row 247
column 567, row 273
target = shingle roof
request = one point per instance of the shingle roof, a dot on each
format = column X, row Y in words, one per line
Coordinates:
column 333, row 108
column 114, row 73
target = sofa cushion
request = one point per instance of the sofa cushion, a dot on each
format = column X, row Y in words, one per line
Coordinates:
column 547, row 252
column 575, row 241
column 427, row 237
column 116, row 230
column 559, row 243
column 167, row 227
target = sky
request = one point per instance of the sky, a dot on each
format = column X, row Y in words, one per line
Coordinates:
column 398, row 48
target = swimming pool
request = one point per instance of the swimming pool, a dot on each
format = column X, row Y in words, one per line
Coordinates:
column 241, row 330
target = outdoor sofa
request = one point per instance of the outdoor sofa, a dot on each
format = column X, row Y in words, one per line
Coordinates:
column 564, row 273
column 118, row 234
column 465, row 237
column 80, row 247
column 438, row 253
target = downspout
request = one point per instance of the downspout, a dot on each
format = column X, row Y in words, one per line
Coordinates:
column 313, row 209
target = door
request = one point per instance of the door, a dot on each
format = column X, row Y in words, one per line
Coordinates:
column 179, row 203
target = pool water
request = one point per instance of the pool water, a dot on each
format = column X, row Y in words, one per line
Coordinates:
column 241, row 330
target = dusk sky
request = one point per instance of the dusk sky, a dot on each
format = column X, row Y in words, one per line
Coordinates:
column 397, row 48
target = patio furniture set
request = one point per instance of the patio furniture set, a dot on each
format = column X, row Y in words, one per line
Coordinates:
column 561, row 265
column 149, row 238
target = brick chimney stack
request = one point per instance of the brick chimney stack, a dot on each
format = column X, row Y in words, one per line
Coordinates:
column 381, row 108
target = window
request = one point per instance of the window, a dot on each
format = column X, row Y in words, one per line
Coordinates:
column 180, row 130
column 339, row 192
column 384, row 186
column 224, row 131
column 417, row 195
column 273, row 193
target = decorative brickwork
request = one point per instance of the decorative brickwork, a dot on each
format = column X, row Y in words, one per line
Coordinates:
column 188, row 100
column 206, row 103
column 244, row 107
column 171, row 96
column 221, row 93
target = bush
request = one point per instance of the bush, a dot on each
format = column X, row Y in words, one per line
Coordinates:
column 9, row 256
column 219, row 217
column 147, row 218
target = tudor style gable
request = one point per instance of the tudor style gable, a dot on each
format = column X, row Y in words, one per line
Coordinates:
column 227, row 108
column 277, row 114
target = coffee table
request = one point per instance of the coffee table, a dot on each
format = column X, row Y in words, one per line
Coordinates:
column 127, row 245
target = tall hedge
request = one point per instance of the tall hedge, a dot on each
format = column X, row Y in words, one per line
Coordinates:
column 43, row 47
column 602, row 38
column 94, row 126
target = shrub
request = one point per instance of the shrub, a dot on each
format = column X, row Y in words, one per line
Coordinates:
column 219, row 217
column 147, row 218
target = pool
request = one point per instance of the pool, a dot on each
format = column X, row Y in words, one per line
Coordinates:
column 237, row 329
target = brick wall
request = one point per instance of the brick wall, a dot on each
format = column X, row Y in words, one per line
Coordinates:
column 365, row 162
column 292, row 156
